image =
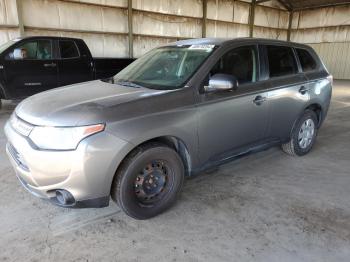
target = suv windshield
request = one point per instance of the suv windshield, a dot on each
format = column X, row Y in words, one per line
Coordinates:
column 164, row 68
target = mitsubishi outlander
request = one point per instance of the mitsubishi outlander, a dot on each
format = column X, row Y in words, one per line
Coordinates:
column 177, row 111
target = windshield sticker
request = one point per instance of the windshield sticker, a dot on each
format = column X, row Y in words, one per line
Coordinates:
column 207, row 48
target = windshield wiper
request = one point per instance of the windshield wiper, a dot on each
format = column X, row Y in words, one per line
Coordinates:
column 128, row 83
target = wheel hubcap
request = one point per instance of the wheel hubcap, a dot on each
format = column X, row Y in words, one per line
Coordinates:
column 306, row 133
column 150, row 183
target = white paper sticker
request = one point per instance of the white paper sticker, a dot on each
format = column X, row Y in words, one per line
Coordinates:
column 202, row 47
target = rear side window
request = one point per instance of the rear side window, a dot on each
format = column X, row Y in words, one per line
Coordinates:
column 281, row 61
column 68, row 49
column 307, row 62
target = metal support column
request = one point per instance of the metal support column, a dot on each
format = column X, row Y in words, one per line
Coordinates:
column 290, row 25
column 20, row 17
column 204, row 18
column 131, row 37
column 252, row 18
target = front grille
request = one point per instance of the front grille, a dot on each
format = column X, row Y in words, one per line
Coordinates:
column 20, row 126
column 17, row 157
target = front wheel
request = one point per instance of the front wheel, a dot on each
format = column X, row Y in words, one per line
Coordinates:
column 148, row 181
column 303, row 135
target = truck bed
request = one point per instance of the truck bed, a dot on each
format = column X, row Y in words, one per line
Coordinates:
column 108, row 67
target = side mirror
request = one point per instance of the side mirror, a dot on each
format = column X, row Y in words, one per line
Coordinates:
column 18, row 54
column 221, row 82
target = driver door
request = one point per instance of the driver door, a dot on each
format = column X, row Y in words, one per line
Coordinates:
column 30, row 68
column 233, row 121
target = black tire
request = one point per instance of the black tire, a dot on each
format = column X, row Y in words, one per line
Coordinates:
column 145, row 161
column 0, row 103
column 293, row 147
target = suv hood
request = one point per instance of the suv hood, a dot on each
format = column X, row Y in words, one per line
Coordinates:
column 80, row 104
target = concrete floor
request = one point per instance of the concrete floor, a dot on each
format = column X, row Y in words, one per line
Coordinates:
column 265, row 207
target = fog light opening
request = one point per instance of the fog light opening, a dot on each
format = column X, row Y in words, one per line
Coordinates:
column 64, row 197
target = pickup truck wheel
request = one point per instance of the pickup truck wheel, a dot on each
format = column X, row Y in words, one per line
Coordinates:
column 148, row 181
column 303, row 135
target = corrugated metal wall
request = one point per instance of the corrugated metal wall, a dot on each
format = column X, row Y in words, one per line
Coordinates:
column 8, row 20
column 336, row 57
column 103, row 24
column 328, row 31
column 156, row 22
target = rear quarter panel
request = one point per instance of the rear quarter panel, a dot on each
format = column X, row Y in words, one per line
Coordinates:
column 286, row 104
column 319, row 84
column 320, row 89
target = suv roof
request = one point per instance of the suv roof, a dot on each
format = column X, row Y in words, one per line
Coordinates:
column 224, row 41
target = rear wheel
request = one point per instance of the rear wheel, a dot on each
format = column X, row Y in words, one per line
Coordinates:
column 303, row 135
column 148, row 181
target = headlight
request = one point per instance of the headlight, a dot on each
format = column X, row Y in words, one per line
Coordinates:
column 62, row 138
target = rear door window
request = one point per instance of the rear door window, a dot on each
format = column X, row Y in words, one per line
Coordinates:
column 68, row 49
column 281, row 61
column 307, row 62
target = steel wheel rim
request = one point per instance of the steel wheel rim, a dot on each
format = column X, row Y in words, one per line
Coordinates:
column 306, row 133
column 151, row 182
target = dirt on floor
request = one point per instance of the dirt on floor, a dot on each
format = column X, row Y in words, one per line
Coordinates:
column 264, row 207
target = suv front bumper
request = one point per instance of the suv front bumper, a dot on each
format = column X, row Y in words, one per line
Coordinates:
column 86, row 173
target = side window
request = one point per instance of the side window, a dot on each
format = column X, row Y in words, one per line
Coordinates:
column 44, row 49
column 37, row 50
column 306, row 60
column 240, row 62
column 281, row 61
column 68, row 49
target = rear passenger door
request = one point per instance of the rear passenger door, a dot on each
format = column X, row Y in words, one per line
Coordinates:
column 73, row 67
column 288, row 89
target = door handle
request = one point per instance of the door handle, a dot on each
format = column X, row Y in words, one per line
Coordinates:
column 259, row 100
column 50, row 65
column 303, row 90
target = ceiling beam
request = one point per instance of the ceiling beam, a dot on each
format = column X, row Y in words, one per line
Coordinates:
column 261, row 1
column 321, row 6
column 286, row 5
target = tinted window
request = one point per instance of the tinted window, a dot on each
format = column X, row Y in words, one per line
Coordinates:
column 306, row 60
column 44, row 49
column 68, row 49
column 29, row 50
column 239, row 62
column 41, row 49
column 281, row 61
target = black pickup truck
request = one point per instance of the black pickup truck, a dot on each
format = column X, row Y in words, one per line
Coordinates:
column 31, row 65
